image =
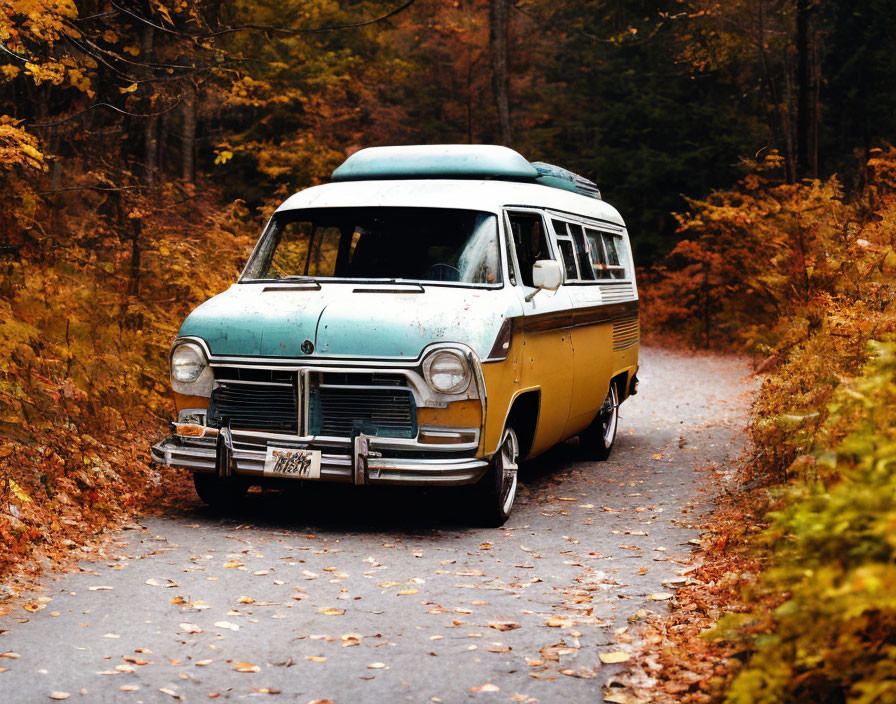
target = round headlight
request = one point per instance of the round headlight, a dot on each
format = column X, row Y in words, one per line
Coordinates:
column 187, row 363
column 447, row 372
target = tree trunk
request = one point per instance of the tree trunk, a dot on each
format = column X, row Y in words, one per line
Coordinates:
column 188, row 133
column 151, row 129
column 803, row 90
column 498, row 32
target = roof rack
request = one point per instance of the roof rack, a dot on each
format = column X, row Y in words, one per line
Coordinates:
column 458, row 161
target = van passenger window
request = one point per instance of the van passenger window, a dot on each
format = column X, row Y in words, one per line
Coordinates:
column 578, row 237
column 598, row 255
column 616, row 255
column 527, row 230
column 569, row 261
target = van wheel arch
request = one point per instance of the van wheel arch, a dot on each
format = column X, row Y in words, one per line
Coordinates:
column 523, row 417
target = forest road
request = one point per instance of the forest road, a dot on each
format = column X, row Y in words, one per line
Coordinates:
column 376, row 597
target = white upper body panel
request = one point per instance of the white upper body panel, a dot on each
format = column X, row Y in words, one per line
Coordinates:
column 483, row 195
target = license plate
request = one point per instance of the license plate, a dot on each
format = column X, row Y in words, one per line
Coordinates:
column 292, row 463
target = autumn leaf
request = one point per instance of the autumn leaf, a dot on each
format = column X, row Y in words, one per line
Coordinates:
column 331, row 611
column 613, row 657
column 487, row 687
column 504, row 625
column 245, row 667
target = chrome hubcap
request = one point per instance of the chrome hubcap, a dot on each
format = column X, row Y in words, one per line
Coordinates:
column 510, row 452
column 609, row 412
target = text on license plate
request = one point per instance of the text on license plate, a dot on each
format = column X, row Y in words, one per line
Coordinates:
column 293, row 463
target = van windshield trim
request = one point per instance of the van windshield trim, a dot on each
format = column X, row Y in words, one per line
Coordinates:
column 468, row 246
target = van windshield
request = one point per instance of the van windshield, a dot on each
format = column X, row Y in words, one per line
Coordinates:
column 413, row 244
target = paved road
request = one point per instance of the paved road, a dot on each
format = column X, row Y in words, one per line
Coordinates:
column 361, row 596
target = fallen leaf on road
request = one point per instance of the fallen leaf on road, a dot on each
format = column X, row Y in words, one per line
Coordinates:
column 387, row 585
column 246, row 667
column 377, row 666
column 614, row 657
column 203, row 663
column 504, row 625
column 560, row 622
column 99, row 589
column 111, row 635
column 59, row 695
column 170, row 693
column 330, row 611
column 246, row 600
column 178, row 601
column 498, row 648
column 129, row 687
column 350, row 639
column 10, row 655
column 584, row 674
column 266, row 690
column 233, row 563
column 226, row 624
column 407, row 592
column 487, row 687
column 661, row 596
column 189, row 628
column 315, row 658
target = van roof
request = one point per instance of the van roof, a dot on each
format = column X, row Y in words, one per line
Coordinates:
column 464, row 193
column 485, row 161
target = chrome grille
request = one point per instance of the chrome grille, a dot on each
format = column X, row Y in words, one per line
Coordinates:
column 615, row 293
column 377, row 406
column 625, row 333
column 255, row 400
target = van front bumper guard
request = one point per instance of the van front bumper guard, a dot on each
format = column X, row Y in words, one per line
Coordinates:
column 225, row 455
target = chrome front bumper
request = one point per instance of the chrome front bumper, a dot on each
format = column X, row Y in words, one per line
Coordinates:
column 201, row 455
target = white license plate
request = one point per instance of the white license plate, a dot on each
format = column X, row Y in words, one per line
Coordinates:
column 292, row 463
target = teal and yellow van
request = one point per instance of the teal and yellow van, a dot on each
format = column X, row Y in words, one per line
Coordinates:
column 431, row 317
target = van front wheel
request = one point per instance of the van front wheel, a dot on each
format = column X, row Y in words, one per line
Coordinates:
column 220, row 494
column 597, row 439
column 497, row 489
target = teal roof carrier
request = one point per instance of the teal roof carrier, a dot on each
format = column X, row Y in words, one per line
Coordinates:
column 456, row 161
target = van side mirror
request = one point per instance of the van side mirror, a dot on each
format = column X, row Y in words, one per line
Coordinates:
column 547, row 274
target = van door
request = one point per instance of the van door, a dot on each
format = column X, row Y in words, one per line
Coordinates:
column 546, row 326
column 591, row 335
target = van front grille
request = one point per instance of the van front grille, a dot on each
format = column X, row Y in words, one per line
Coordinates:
column 255, row 406
column 385, row 412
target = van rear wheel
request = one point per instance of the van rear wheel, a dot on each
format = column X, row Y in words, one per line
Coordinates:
column 497, row 489
column 598, row 438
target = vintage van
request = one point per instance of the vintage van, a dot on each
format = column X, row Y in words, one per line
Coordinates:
column 431, row 317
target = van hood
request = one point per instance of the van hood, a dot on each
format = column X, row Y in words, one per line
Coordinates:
column 346, row 320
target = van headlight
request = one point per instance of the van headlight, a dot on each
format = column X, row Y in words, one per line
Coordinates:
column 190, row 373
column 447, row 372
column 187, row 363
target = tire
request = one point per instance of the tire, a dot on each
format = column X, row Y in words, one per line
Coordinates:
column 497, row 489
column 220, row 494
column 597, row 440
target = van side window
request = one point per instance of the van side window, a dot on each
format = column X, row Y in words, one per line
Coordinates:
column 529, row 241
column 578, row 237
column 608, row 254
column 598, row 255
column 616, row 255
